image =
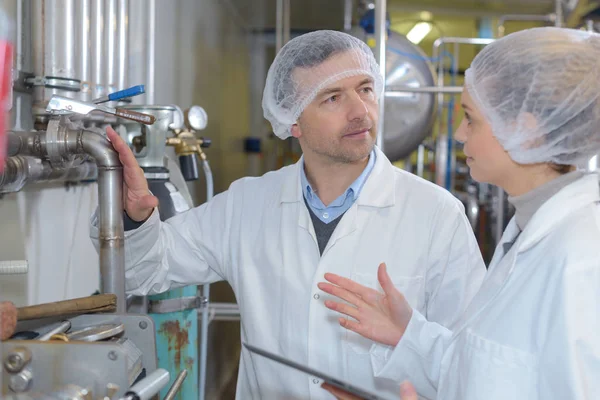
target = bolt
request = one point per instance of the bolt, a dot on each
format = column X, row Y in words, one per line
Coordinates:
column 21, row 381
column 17, row 359
column 143, row 325
column 112, row 355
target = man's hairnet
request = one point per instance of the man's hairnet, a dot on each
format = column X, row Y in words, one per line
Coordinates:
column 539, row 89
column 306, row 65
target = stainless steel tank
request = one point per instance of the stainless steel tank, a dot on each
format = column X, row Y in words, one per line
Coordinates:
column 408, row 117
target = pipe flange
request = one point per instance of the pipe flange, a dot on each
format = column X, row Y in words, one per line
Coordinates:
column 56, row 142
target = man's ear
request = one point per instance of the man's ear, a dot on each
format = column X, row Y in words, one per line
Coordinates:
column 296, row 131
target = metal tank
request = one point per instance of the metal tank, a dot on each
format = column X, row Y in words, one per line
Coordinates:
column 408, row 117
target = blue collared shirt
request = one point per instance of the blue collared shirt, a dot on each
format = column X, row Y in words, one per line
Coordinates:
column 340, row 205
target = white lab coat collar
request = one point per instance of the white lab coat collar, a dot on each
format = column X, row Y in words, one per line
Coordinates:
column 379, row 190
column 570, row 199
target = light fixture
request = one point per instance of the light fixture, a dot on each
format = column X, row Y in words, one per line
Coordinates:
column 419, row 31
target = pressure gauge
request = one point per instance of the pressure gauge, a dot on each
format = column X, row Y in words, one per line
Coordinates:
column 196, row 118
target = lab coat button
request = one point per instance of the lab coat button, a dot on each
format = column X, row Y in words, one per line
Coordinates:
column 316, row 381
column 316, row 297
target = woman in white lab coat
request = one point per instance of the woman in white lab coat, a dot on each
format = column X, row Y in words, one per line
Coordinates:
column 532, row 113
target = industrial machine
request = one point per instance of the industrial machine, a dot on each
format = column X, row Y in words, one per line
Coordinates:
column 71, row 64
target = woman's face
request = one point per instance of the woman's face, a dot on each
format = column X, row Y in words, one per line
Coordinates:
column 487, row 160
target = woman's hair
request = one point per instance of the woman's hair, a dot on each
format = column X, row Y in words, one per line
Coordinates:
column 540, row 91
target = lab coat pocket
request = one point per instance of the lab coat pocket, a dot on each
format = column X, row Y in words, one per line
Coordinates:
column 495, row 371
column 411, row 287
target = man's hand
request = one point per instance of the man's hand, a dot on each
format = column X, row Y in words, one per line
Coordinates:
column 382, row 317
column 137, row 200
column 407, row 392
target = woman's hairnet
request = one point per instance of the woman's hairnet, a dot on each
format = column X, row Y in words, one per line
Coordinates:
column 306, row 65
column 539, row 89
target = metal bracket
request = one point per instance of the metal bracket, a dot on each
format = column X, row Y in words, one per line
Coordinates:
column 19, row 82
column 174, row 305
column 53, row 82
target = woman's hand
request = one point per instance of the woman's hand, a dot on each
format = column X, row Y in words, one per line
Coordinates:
column 382, row 317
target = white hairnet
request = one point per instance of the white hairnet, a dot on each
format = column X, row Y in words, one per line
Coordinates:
column 539, row 89
column 307, row 64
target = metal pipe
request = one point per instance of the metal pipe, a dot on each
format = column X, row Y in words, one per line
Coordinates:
column 137, row 24
column 380, row 50
column 397, row 91
column 177, row 385
column 122, row 25
column 53, row 35
column 348, row 5
column 110, row 45
column 110, row 212
column 286, row 21
column 151, row 67
column 523, row 17
column 97, row 33
column 420, row 160
column 83, row 48
column 499, row 228
column 278, row 26
column 59, row 142
column 61, row 328
column 558, row 12
column 589, row 25
column 21, row 170
column 206, row 294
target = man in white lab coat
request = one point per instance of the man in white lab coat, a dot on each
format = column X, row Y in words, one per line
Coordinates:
column 343, row 208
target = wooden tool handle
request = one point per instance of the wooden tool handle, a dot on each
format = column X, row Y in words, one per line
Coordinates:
column 135, row 116
column 83, row 305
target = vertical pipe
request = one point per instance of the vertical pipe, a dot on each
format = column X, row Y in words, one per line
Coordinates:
column 278, row 26
column 499, row 228
column 97, row 32
column 420, row 160
column 151, row 35
column 37, row 50
column 110, row 213
column 348, row 4
column 286, row 21
column 137, row 21
column 558, row 11
column 53, row 36
column 123, row 41
column 380, row 50
column 441, row 150
column 205, row 294
column 110, row 45
column 83, row 48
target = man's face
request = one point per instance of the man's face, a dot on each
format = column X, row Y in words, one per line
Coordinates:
column 340, row 124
